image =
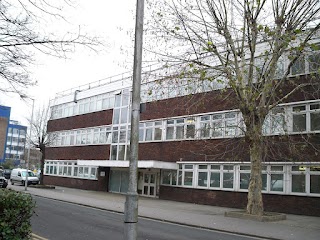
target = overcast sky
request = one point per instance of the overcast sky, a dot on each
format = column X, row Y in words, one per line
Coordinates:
column 111, row 20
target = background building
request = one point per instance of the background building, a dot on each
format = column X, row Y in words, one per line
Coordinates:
column 16, row 141
column 12, row 138
column 4, row 122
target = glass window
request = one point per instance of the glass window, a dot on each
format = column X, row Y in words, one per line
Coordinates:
column 122, row 136
column 125, row 97
column 188, row 166
column 205, row 129
column 299, row 118
column 121, row 153
column 190, row 127
column 217, row 129
column 188, row 178
column 86, row 172
column 166, row 177
column 157, row 133
column 114, row 152
column 117, row 100
column 93, row 172
column 244, row 180
column 264, row 181
column 180, row 132
column 96, row 136
column 314, row 61
column 124, row 115
column 231, row 126
column 105, row 103
column 203, row 179
column 170, row 131
column 276, row 183
column 315, row 121
column 149, row 132
column 298, row 183
column 174, row 177
column 315, row 184
column 277, row 168
column 299, row 123
column 89, row 136
column 141, row 133
column 61, row 169
column 215, row 179
column 299, row 66
column 75, row 171
column 215, row 167
column 158, row 130
column 116, row 116
column 227, row 180
column 115, row 135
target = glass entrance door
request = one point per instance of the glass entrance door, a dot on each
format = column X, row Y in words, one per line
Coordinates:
column 149, row 184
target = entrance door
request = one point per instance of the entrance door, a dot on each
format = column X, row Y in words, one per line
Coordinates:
column 149, row 184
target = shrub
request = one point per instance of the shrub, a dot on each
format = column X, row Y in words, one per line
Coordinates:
column 16, row 209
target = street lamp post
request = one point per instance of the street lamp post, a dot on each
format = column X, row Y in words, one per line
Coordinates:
column 131, row 204
column 28, row 156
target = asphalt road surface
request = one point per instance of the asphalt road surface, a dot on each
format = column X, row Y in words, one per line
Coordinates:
column 59, row 220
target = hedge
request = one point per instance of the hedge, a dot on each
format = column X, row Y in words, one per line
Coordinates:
column 16, row 210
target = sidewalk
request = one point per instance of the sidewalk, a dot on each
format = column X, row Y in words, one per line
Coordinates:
column 296, row 227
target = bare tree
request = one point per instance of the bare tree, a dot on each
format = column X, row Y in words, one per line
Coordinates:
column 241, row 44
column 40, row 138
column 22, row 33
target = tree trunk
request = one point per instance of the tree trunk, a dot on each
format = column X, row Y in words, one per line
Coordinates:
column 42, row 165
column 255, row 203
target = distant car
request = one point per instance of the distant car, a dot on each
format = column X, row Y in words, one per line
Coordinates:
column 3, row 180
column 7, row 173
column 18, row 175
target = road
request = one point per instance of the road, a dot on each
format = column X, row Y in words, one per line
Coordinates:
column 59, row 220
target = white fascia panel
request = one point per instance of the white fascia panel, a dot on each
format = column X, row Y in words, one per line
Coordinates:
column 107, row 88
column 61, row 100
column 111, row 87
column 125, row 164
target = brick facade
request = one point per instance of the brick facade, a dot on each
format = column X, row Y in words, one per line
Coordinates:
column 81, row 121
column 96, row 152
column 272, row 202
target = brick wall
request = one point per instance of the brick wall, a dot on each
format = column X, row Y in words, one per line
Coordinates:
column 195, row 150
column 190, row 104
column 272, row 202
column 96, row 152
column 81, row 121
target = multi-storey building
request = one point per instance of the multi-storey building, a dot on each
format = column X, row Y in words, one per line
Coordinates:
column 16, row 141
column 12, row 138
column 4, row 122
column 191, row 143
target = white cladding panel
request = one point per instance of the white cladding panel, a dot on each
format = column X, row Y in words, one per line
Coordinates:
column 90, row 92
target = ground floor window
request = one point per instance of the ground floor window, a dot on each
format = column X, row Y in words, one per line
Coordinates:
column 119, row 181
column 292, row 179
column 70, row 169
column 169, row 177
